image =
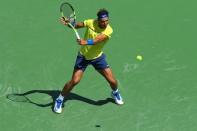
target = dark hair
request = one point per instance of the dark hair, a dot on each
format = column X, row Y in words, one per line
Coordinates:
column 102, row 12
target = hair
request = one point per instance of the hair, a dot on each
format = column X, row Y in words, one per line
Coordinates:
column 102, row 12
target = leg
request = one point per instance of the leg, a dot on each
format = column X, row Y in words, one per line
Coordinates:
column 100, row 64
column 107, row 73
column 76, row 77
column 80, row 66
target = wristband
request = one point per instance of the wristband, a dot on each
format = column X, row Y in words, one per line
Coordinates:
column 90, row 42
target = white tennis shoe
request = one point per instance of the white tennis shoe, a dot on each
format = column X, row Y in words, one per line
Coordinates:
column 117, row 97
column 58, row 106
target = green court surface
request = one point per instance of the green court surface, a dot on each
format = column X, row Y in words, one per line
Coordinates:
column 37, row 55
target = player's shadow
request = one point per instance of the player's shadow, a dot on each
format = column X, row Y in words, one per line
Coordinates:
column 71, row 96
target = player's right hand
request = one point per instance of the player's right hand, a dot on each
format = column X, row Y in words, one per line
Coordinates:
column 63, row 21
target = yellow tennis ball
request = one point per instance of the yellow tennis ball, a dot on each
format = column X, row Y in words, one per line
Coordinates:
column 139, row 57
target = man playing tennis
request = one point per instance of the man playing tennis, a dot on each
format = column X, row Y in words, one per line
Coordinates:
column 98, row 32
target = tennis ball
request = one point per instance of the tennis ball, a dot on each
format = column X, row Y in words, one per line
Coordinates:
column 139, row 57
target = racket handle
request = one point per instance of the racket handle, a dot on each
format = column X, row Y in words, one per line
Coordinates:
column 78, row 37
column 76, row 33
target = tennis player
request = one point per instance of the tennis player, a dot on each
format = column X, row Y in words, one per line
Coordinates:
column 98, row 32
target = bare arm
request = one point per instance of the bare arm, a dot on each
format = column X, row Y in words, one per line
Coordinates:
column 97, row 40
column 79, row 25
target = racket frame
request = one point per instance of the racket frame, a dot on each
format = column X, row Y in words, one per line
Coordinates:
column 74, row 16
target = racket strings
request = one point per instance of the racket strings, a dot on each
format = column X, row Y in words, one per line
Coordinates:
column 68, row 12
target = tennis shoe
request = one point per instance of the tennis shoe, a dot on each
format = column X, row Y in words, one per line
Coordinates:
column 58, row 106
column 117, row 97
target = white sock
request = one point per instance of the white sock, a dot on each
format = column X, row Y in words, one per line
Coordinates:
column 61, row 97
column 115, row 91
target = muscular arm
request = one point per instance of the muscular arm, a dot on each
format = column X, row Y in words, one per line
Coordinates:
column 97, row 40
column 100, row 38
column 79, row 25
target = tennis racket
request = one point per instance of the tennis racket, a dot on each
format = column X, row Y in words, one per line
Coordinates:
column 68, row 13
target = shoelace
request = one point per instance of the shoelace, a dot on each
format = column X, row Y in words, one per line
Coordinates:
column 117, row 95
column 59, row 103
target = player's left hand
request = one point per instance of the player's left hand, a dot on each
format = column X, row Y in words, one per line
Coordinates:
column 82, row 42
